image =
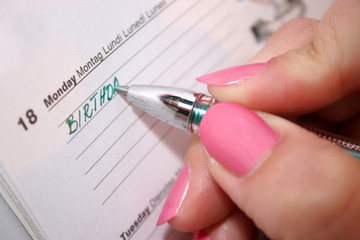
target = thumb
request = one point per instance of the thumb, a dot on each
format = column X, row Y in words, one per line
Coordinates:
column 305, row 79
column 291, row 183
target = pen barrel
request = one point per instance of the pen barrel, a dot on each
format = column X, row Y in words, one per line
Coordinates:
column 171, row 105
column 349, row 145
column 184, row 109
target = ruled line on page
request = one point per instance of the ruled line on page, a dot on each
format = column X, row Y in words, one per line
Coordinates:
column 173, row 63
column 135, row 54
column 127, row 39
column 140, row 161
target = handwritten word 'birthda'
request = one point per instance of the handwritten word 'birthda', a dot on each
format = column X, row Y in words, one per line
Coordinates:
column 94, row 104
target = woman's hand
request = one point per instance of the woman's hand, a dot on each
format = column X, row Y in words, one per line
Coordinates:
column 250, row 172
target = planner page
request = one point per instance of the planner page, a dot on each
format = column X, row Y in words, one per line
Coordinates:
column 77, row 161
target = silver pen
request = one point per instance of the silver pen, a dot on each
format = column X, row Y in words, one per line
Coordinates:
column 180, row 108
column 184, row 109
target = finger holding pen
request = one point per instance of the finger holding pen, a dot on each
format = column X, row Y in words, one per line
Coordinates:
column 291, row 184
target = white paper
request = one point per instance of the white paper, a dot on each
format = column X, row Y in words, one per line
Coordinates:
column 106, row 173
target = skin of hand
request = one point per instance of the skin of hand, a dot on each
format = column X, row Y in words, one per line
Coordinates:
column 304, row 188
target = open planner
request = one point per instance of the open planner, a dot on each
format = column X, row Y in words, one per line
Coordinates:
column 77, row 161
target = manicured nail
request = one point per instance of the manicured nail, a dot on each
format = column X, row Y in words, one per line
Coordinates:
column 233, row 75
column 235, row 136
column 201, row 235
column 176, row 197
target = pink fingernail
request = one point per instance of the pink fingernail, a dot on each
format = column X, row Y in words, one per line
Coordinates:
column 176, row 197
column 233, row 75
column 201, row 235
column 235, row 136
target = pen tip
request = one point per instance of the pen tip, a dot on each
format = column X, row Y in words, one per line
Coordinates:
column 123, row 90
